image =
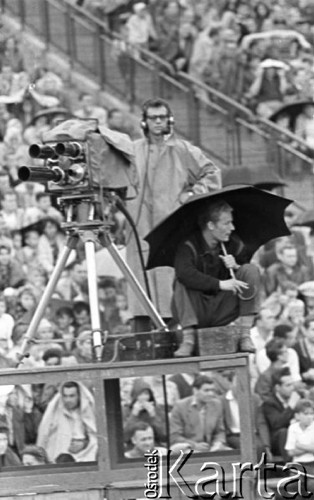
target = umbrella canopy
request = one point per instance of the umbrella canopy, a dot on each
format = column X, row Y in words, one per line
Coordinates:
column 263, row 178
column 50, row 114
column 291, row 110
column 258, row 218
column 305, row 219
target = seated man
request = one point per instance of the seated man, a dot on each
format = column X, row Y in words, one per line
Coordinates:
column 304, row 348
column 143, row 440
column 277, row 353
column 69, row 424
column 196, row 422
column 204, row 293
column 279, row 410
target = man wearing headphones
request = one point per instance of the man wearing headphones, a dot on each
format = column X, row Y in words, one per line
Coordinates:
column 170, row 169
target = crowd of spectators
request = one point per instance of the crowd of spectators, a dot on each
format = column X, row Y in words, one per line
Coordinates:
column 257, row 52
column 33, row 419
column 31, row 239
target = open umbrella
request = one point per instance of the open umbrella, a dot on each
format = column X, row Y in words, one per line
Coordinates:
column 50, row 114
column 291, row 110
column 263, row 178
column 258, row 218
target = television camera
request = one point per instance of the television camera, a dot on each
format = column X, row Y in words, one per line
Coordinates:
column 78, row 156
column 90, row 169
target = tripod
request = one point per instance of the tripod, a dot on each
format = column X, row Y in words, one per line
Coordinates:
column 81, row 224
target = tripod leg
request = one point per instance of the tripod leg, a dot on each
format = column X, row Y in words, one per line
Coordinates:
column 93, row 296
column 136, row 286
column 44, row 301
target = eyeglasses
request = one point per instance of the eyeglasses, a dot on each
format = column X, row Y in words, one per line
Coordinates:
column 157, row 117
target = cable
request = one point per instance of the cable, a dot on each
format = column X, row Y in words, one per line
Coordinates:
column 128, row 216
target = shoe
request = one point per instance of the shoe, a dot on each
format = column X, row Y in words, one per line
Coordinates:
column 245, row 341
column 186, row 348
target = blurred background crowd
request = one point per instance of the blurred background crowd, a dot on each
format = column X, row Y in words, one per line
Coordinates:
column 260, row 53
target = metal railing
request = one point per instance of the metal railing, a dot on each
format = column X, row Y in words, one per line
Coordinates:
column 229, row 132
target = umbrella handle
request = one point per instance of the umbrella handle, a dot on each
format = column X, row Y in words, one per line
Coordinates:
column 245, row 295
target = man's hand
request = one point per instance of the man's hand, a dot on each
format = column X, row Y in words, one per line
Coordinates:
column 150, row 408
column 137, row 407
column 229, row 261
column 232, row 285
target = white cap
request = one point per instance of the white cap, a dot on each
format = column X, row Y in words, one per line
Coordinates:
column 138, row 7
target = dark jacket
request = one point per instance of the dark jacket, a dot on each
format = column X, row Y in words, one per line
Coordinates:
column 200, row 268
column 276, row 415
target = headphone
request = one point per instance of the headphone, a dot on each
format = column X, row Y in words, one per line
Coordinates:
column 156, row 103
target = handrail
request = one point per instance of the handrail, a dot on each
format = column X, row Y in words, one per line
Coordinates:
column 145, row 74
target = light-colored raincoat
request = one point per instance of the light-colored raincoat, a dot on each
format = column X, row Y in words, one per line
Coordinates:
column 165, row 173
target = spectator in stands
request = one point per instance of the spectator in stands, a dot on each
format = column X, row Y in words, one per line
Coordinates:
column 70, row 286
column 22, row 420
column 261, row 333
column 279, row 410
column 203, row 57
column 88, row 109
column 13, row 151
column 277, row 354
column 299, row 444
column 233, row 424
column 81, row 311
column 197, row 421
column 48, row 91
column 261, row 13
column 143, row 408
column 25, row 305
column 11, row 275
column 83, row 352
column 140, row 28
column 27, row 256
column 42, row 210
column 51, row 242
column 7, row 456
column 5, row 116
column 268, row 89
column 288, row 268
column 34, row 455
column 68, row 424
column 143, row 440
column 182, row 168
column 6, row 327
column 296, row 317
column 13, row 216
column 187, row 35
column 226, row 64
column 269, row 253
column 287, row 334
column 64, row 318
column 305, row 350
column 168, row 32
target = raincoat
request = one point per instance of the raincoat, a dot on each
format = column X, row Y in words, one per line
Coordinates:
column 165, row 173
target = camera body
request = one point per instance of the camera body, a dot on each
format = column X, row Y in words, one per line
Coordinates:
column 80, row 158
